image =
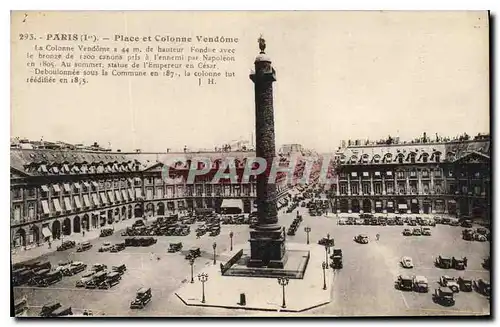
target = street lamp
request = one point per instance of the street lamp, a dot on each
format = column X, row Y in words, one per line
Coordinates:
column 191, row 262
column 324, row 265
column 307, row 230
column 326, row 253
column 214, row 246
column 283, row 281
column 231, row 237
column 203, row 277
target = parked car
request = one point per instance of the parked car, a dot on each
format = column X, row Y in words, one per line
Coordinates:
column 98, row 267
column 426, row 231
column 50, row 278
column 443, row 262
column 458, row 263
column 142, row 297
column 117, row 247
column 174, row 247
column 416, row 232
column 465, row 284
column 481, row 230
column 86, row 276
column 466, row 223
column 406, row 262
column 468, row 234
column 106, row 232
column 420, row 284
column 444, row 296
column 111, row 280
column 193, row 253
column 486, row 263
column 74, row 268
column 480, row 237
column 451, row 282
column 20, row 306
column 482, row 286
column 326, row 241
column 407, row 232
column 119, row 269
column 361, row 239
column 96, row 280
column 65, row 245
column 83, row 246
column 106, row 247
column 48, row 308
column 404, row 283
column 61, row 312
column 337, row 259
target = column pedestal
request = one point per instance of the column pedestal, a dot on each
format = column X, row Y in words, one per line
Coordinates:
column 267, row 249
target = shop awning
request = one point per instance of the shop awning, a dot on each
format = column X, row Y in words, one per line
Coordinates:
column 66, row 187
column 403, row 206
column 103, row 198
column 56, row 188
column 76, row 185
column 45, row 188
column 57, row 205
column 46, row 232
column 45, row 207
column 354, row 174
column 111, row 197
column 118, row 196
column 86, row 200
column 95, row 199
column 125, row 195
column 77, row 202
column 67, row 204
column 131, row 194
column 232, row 203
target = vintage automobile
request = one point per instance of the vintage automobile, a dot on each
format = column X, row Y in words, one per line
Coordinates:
column 454, row 222
column 337, row 259
column 481, row 230
column 391, row 222
column 426, row 231
column 404, row 283
column 61, row 312
column 417, row 232
column 342, row 221
column 117, row 247
column 147, row 241
column 96, row 280
column 74, row 268
column 174, row 247
column 214, row 231
column 451, row 282
column 119, row 269
column 37, row 277
column 138, row 223
column 361, row 239
column 98, row 267
column 458, row 263
column 412, row 221
column 142, row 297
column 438, row 220
column 50, row 278
column 106, row 232
column 48, row 308
column 480, row 237
column 432, row 222
column 468, row 234
column 326, row 241
column 106, row 247
column 399, row 221
column 467, row 223
column 443, row 296
column 111, row 280
column 83, row 246
column 291, row 231
column 465, row 284
column 65, row 245
column 63, row 265
column 193, row 253
column 407, row 232
column 86, row 276
column 406, row 262
column 482, row 286
column 420, row 284
column 443, row 262
column 20, row 306
column 445, row 221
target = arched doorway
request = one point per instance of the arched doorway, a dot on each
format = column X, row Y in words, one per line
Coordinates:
column 464, row 207
column 402, row 206
column 77, row 225
column 426, row 206
column 160, row 209
column 20, row 238
column 124, row 213
column 34, row 236
column 95, row 221
column 138, row 211
column 378, row 206
column 208, row 202
column 117, row 214
column 247, row 206
column 344, row 205
column 390, row 206
column 110, row 216
column 414, row 206
column 452, row 207
column 86, row 222
column 56, row 230
column 129, row 212
column 66, row 228
column 103, row 219
column 150, row 210
column 355, row 205
column 478, row 209
column 367, row 206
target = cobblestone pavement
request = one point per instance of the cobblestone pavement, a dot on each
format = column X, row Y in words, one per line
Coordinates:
column 365, row 286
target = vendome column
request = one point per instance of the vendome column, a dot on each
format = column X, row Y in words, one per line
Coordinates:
column 267, row 240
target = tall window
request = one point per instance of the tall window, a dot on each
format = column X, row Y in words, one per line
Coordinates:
column 366, row 188
column 354, row 188
column 343, row 189
column 378, row 188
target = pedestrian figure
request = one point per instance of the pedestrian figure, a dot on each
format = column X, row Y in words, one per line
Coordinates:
column 83, row 233
column 465, row 262
column 50, row 245
column 378, row 236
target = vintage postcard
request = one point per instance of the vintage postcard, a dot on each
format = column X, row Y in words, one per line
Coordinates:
column 167, row 164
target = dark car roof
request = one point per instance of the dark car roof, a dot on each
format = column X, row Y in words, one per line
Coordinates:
column 445, row 290
column 405, row 277
column 143, row 290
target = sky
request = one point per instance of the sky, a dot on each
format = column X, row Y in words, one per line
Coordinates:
column 340, row 75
